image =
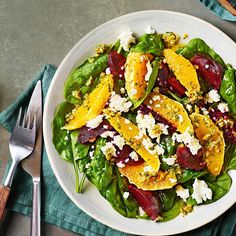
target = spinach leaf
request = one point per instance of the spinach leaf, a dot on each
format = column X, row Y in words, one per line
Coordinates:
column 190, row 175
column 197, row 45
column 230, row 157
column 80, row 151
column 170, row 148
column 109, row 183
column 228, row 88
column 149, row 43
column 151, row 83
column 76, row 81
column 167, row 197
column 61, row 139
column 173, row 212
column 219, row 186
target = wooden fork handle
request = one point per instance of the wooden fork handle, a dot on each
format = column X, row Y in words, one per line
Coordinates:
column 228, row 6
column 4, row 194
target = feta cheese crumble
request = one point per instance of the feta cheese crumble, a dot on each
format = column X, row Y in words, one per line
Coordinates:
column 134, row 156
column 120, row 164
column 118, row 103
column 182, row 192
column 149, row 30
column 126, row 195
column 201, row 192
column 119, row 141
column 126, row 38
column 148, row 169
column 95, row 122
column 108, row 71
column 108, row 150
column 107, row 134
column 169, row 161
column 189, row 140
column 223, row 107
column 212, row 96
column 149, row 71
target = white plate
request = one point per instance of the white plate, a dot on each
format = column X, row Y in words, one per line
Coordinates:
column 90, row 201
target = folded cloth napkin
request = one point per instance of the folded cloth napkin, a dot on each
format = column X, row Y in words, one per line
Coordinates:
column 220, row 11
column 57, row 208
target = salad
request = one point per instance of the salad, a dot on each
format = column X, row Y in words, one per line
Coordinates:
column 150, row 121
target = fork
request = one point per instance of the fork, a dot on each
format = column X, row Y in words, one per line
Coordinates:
column 21, row 145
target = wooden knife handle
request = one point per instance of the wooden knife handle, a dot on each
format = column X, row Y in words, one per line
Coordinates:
column 228, row 6
column 4, row 194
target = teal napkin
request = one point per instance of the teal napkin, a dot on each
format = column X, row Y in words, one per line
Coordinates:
column 57, row 208
column 214, row 6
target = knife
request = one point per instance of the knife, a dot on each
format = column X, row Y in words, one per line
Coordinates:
column 32, row 164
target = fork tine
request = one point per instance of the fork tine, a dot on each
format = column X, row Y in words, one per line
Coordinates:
column 28, row 121
column 25, row 119
column 19, row 117
column 34, row 122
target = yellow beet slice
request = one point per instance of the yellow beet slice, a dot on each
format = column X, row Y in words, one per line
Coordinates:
column 135, row 71
column 171, row 110
column 212, row 142
column 130, row 132
column 158, row 181
column 92, row 105
column 184, row 71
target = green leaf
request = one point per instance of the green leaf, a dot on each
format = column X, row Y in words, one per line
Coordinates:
column 173, row 212
column 151, row 83
column 149, row 43
column 230, row 157
column 197, row 45
column 228, row 88
column 219, row 187
column 110, row 184
column 167, row 197
column 61, row 139
column 76, row 81
column 80, row 151
column 188, row 174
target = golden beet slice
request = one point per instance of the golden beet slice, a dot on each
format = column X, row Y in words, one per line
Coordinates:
column 148, row 180
column 212, row 141
column 131, row 134
column 171, row 110
column 92, row 105
column 184, row 72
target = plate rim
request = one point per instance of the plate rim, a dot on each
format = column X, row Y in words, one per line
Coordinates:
column 46, row 110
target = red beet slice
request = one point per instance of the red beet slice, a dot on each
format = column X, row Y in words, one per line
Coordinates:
column 227, row 124
column 124, row 158
column 146, row 110
column 209, row 69
column 176, row 86
column 116, row 63
column 163, row 75
column 188, row 161
column 149, row 201
column 87, row 134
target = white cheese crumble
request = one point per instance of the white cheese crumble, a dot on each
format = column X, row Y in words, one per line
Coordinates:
column 148, row 169
column 149, row 71
column 66, row 138
column 149, row 30
column 87, row 165
column 156, row 98
column 122, row 90
column 109, row 150
column 189, row 107
column 212, row 96
column 95, row 122
column 201, row 192
column 120, row 164
column 182, row 192
column 134, row 156
column 119, row 141
column 172, row 180
column 105, row 126
column 169, row 161
column 108, row 71
column 223, row 107
column 141, row 211
column 126, row 195
column 133, row 92
column 189, row 140
column 119, row 104
column 126, row 38
column 108, row 134
column 204, row 111
column 91, row 154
